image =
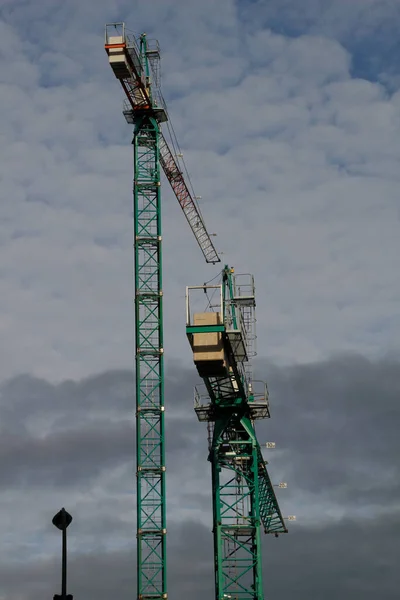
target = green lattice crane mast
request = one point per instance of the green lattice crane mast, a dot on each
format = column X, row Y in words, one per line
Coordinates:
column 135, row 64
column 223, row 342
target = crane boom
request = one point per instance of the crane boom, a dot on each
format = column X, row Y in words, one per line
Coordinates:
column 190, row 210
column 133, row 67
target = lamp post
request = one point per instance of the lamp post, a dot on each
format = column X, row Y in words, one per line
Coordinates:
column 61, row 520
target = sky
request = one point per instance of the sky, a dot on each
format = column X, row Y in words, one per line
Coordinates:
column 288, row 115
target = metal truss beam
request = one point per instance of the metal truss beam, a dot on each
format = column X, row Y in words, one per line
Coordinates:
column 243, row 501
column 150, row 447
column 237, row 547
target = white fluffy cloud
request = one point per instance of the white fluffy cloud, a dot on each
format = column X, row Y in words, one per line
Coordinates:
column 295, row 158
column 288, row 116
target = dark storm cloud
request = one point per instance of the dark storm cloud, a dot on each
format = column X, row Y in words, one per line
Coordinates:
column 24, row 396
column 64, row 458
column 83, row 440
column 338, row 422
column 350, row 559
column 347, row 559
column 335, row 424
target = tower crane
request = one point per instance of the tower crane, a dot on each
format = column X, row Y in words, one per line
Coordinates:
column 221, row 343
column 222, row 339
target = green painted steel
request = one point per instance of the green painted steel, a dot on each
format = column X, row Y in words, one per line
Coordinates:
column 244, row 500
column 243, row 496
column 240, row 502
column 150, row 447
column 205, row 329
column 135, row 63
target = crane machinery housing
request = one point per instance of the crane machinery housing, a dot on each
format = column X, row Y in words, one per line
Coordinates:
column 222, row 339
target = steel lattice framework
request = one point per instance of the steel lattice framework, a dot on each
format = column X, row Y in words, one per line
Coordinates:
column 244, row 500
column 135, row 65
column 243, row 496
column 150, row 448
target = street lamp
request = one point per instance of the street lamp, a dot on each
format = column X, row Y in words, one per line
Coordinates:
column 61, row 520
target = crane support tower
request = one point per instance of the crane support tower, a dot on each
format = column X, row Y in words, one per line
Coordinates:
column 135, row 63
column 222, row 339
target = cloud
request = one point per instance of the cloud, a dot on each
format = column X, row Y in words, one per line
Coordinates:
column 310, row 562
column 366, row 28
column 72, row 432
column 294, row 156
column 344, row 414
column 288, row 118
column 71, row 444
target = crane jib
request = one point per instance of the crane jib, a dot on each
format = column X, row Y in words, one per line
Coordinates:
column 126, row 59
column 190, row 210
